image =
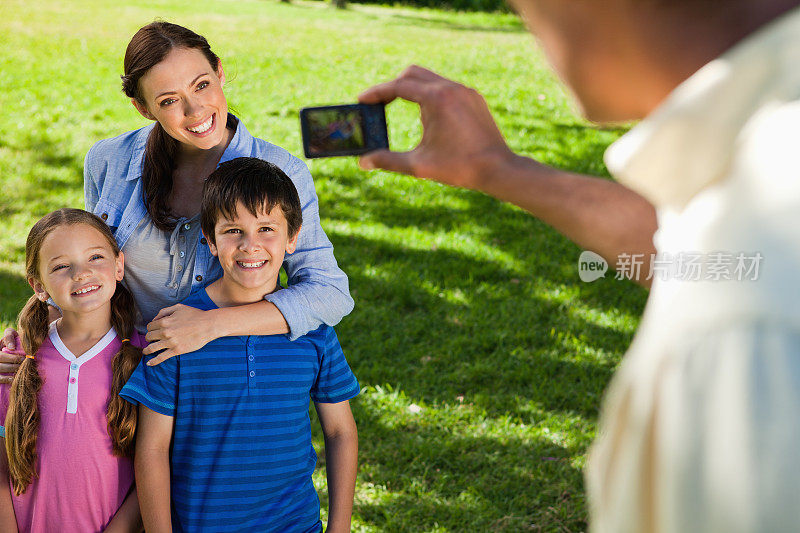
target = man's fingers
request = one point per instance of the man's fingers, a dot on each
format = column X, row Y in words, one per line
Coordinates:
column 163, row 356
column 392, row 161
column 413, row 85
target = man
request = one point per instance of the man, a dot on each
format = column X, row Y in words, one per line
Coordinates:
column 699, row 430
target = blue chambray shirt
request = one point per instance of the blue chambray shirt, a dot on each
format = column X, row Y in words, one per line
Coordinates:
column 318, row 289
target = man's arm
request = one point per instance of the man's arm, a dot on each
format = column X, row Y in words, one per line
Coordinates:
column 341, row 461
column 153, row 437
column 8, row 520
column 462, row 146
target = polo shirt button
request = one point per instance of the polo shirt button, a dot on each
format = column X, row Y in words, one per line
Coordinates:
column 199, row 278
column 252, row 373
column 182, row 254
column 104, row 216
column 203, row 240
column 73, row 366
column 180, row 268
column 251, row 358
column 72, row 380
column 187, row 227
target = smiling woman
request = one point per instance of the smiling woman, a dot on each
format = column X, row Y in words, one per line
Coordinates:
column 147, row 186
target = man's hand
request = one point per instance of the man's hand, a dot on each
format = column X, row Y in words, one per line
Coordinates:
column 178, row 329
column 460, row 140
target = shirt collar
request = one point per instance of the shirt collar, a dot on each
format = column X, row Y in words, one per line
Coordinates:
column 687, row 143
column 241, row 144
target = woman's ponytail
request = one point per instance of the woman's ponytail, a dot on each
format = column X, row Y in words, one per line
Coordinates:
column 23, row 418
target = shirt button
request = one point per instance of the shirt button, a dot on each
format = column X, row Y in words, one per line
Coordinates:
column 187, row 227
column 203, row 240
column 252, row 373
column 104, row 216
column 182, row 254
column 174, row 285
column 199, row 278
column 251, row 358
column 180, row 267
column 73, row 366
column 72, row 380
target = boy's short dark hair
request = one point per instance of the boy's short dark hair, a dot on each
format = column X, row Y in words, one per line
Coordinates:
column 258, row 184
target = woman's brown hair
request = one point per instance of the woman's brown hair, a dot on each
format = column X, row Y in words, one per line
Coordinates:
column 22, row 420
column 148, row 47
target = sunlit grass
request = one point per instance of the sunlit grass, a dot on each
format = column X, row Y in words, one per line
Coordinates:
column 482, row 355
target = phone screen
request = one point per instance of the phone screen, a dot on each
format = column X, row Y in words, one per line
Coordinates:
column 350, row 129
column 335, row 131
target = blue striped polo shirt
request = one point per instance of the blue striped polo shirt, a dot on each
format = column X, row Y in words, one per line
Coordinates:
column 241, row 456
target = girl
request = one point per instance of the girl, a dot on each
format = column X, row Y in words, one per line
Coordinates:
column 68, row 435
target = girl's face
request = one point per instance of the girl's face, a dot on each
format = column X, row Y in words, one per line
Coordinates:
column 184, row 94
column 78, row 269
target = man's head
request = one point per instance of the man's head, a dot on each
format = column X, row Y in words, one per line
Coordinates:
column 251, row 216
column 621, row 58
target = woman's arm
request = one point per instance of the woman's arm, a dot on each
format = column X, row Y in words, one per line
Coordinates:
column 152, row 469
column 182, row 329
column 341, row 461
column 128, row 518
column 8, row 520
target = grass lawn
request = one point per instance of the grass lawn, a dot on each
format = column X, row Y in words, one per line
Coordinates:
column 482, row 356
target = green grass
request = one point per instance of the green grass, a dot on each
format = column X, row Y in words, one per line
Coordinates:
column 483, row 357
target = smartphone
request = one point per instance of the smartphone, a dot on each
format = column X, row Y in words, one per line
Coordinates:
column 351, row 129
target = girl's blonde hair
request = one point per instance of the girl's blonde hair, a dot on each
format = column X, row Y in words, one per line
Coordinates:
column 22, row 419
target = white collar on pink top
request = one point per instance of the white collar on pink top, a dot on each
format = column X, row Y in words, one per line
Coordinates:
column 76, row 362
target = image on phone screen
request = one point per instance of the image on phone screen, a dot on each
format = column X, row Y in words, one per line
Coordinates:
column 331, row 130
column 338, row 130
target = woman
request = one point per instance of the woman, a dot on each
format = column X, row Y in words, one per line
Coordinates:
column 147, row 185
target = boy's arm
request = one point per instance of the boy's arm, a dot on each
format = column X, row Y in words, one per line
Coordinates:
column 128, row 518
column 341, row 459
column 8, row 520
column 152, row 469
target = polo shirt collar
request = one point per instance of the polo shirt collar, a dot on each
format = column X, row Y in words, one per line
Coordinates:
column 688, row 142
column 241, row 144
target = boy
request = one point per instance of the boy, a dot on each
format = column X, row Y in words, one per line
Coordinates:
column 231, row 419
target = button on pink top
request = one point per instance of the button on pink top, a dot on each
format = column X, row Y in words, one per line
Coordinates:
column 81, row 484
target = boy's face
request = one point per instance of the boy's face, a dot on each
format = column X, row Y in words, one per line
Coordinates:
column 251, row 251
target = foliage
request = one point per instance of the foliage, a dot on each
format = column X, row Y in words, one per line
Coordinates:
column 483, row 357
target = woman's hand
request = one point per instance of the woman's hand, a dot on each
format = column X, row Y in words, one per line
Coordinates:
column 179, row 329
column 11, row 355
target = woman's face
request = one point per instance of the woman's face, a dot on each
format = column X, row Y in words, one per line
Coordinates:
column 184, row 94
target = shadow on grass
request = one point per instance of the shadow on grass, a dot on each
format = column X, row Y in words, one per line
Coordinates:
column 436, row 22
column 52, row 171
column 431, row 476
column 15, row 292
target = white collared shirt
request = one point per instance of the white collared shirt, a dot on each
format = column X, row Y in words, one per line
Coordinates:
column 700, row 428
